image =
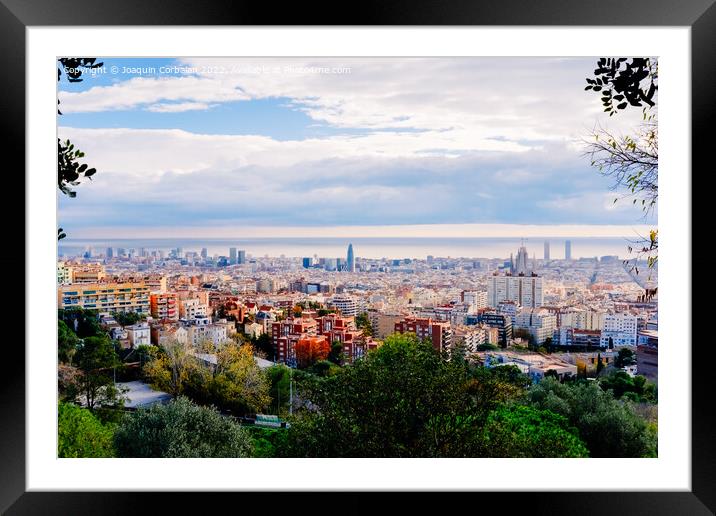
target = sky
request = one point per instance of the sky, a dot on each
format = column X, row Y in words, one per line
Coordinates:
column 222, row 147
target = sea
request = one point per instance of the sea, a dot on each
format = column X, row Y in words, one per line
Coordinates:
column 373, row 248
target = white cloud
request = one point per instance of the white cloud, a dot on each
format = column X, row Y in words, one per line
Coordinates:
column 467, row 140
column 179, row 107
column 514, row 98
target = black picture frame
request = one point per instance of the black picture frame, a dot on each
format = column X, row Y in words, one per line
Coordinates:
column 17, row 15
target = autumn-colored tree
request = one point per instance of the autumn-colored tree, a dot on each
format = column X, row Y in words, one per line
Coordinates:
column 171, row 368
column 581, row 369
column 310, row 350
column 238, row 383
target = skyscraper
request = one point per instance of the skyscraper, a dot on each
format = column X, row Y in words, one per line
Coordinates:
column 567, row 249
column 546, row 251
column 232, row 255
column 241, row 258
column 204, row 253
column 350, row 259
column 109, row 252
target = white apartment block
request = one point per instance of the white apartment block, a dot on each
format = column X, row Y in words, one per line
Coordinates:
column 540, row 323
column 475, row 299
column 201, row 329
column 345, row 304
column 620, row 328
column 524, row 290
column 192, row 308
column 583, row 319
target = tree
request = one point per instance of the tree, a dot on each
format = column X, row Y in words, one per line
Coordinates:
column 81, row 434
column 631, row 161
column 127, row 318
column 458, row 350
column 609, row 427
column 181, row 429
column 324, row 368
column 279, row 378
column 171, row 368
column 625, row 357
column 336, row 354
column 238, row 383
column 379, row 406
column 68, row 382
column 85, row 323
column 518, row 431
column 363, row 324
column 264, row 345
column 488, row 388
column 621, row 384
column 310, row 350
column 96, row 359
column 67, row 342
column 600, row 364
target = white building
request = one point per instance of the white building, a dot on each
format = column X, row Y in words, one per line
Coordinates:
column 345, row 304
column 582, row 319
column 540, row 323
column 192, row 308
column 64, row 273
column 139, row 334
column 475, row 299
column 201, row 329
column 620, row 329
column 254, row 330
column 524, row 290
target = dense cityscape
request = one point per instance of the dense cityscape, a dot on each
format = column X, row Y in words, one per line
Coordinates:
column 589, row 304
column 293, row 257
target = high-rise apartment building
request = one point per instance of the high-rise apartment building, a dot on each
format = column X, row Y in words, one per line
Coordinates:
column 524, row 290
column 546, row 251
column 567, row 249
column 232, row 255
column 241, row 257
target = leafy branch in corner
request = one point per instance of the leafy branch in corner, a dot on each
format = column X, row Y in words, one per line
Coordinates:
column 619, row 80
column 69, row 169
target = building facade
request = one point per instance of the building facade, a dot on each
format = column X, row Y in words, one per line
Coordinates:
column 523, row 290
column 105, row 297
column 619, row 330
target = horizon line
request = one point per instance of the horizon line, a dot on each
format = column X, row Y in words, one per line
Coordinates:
column 383, row 231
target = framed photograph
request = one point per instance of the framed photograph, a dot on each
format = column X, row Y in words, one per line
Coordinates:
column 417, row 250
